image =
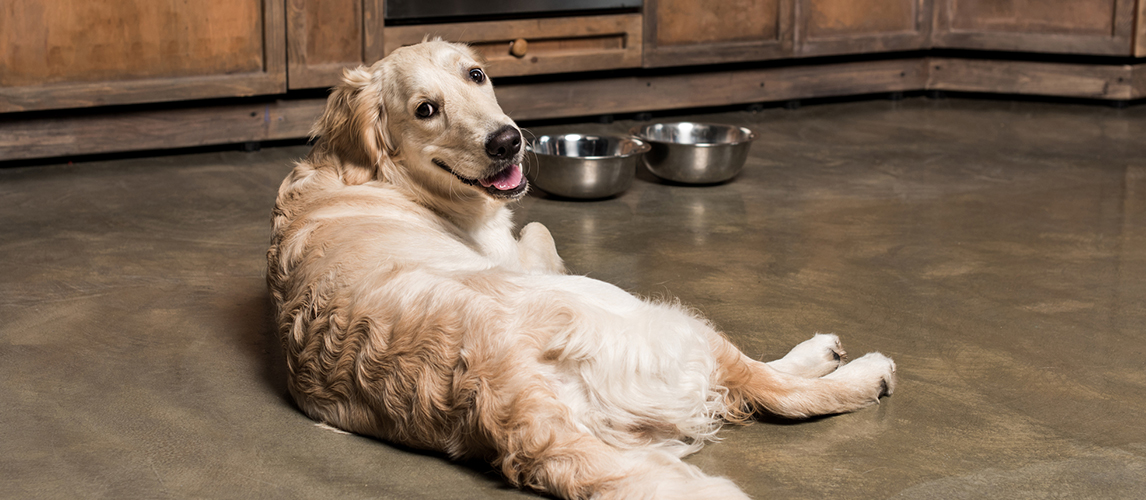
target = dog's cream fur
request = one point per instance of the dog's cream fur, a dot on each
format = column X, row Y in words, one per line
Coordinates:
column 410, row 312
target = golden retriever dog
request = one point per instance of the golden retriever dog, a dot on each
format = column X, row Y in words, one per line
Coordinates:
column 409, row 311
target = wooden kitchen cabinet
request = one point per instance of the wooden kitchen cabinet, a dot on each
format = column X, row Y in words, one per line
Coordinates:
column 59, row 54
column 81, row 53
column 1094, row 27
column 327, row 36
column 689, row 32
column 833, row 27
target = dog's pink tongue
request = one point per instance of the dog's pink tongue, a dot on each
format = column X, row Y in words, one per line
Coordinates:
column 504, row 181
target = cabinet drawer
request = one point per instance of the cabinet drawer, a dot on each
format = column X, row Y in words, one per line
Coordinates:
column 538, row 46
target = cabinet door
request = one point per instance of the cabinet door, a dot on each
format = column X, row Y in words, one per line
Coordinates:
column 79, row 53
column 1099, row 27
column 830, row 27
column 683, row 32
column 324, row 37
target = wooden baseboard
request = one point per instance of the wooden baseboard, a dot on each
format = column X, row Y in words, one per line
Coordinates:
column 93, row 133
column 160, row 129
column 1087, row 81
column 637, row 94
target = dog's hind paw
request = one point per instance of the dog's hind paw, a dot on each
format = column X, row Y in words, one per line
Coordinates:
column 874, row 373
column 812, row 358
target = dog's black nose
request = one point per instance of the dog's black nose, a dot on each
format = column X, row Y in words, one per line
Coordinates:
column 503, row 144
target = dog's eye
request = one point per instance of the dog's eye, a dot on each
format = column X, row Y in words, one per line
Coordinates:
column 477, row 75
column 425, row 110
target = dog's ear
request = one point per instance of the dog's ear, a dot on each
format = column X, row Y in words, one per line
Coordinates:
column 353, row 126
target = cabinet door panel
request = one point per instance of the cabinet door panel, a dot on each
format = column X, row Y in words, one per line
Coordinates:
column 326, row 36
column 861, row 26
column 71, row 53
column 338, row 36
column 680, row 32
column 690, row 22
column 1100, row 27
column 836, row 18
column 1083, row 17
column 1140, row 30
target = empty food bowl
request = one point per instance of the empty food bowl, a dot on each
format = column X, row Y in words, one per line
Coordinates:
column 584, row 166
column 695, row 153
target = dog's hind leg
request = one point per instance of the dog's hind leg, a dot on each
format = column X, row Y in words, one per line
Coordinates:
column 755, row 386
column 662, row 476
column 539, row 445
column 812, row 358
column 576, row 465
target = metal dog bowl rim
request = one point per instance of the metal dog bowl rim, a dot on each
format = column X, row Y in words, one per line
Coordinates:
column 643, row 146
column 637, row 132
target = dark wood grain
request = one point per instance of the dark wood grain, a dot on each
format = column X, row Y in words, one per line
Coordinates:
column 1091, row 81
column 324, row 38
column 834, row 27
column 635, row 94
column 373, row 34
column 138, row 51
column 1097, row 27
column 196, row 126
column 166, row 129
column 682, row 32
column 555, row 45
column 1140, row 30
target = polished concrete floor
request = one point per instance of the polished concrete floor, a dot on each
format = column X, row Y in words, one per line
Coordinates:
column 996, row 250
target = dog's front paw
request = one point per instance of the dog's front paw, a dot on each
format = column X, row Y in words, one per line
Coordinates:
column 873, row 373
column 813, row 358
column 538, row 251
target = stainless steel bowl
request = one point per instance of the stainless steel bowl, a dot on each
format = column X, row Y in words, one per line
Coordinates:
column 695, row 153
column 584, row 166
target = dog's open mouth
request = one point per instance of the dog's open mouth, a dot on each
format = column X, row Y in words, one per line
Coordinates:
column 509, row 182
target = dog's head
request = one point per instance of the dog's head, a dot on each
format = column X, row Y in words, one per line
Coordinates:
column 426, row 120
